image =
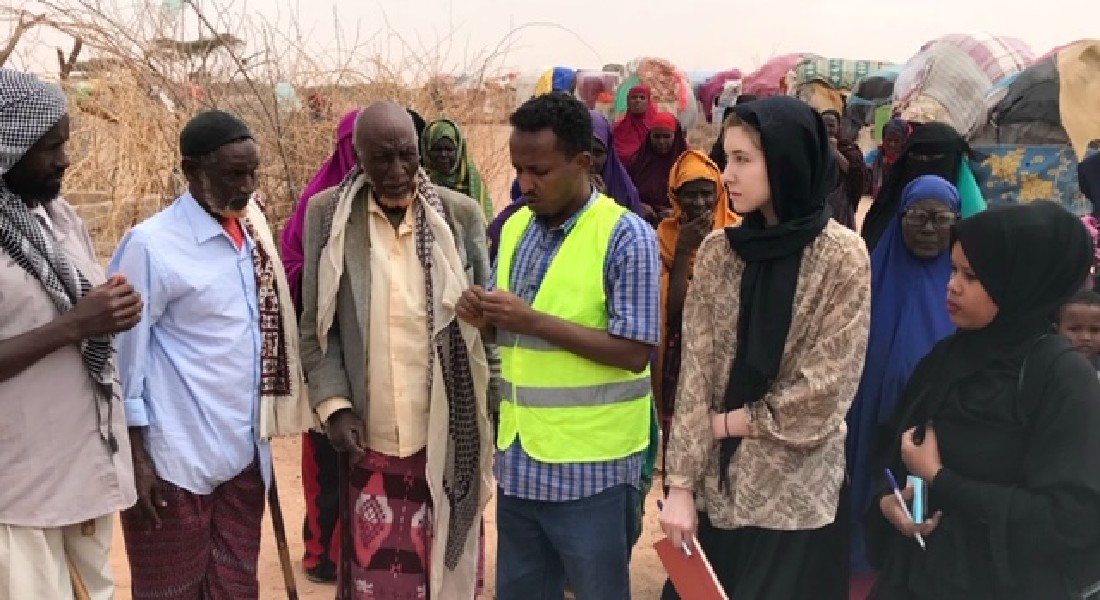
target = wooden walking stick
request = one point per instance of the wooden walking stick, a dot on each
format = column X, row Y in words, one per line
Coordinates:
column 279, row 526
column 80, row 589
column 343, row 573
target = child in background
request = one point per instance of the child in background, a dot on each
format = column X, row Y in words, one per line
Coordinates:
column 1079, row 320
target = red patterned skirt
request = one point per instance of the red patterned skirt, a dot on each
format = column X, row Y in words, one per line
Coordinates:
column 207, row 547
column 391, row 527
column 391, row 534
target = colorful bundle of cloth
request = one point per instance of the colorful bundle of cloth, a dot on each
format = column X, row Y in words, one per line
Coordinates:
column 769, row 79
column 948, row 79
column 837, row 73
column 1054, row 101
column 669, row 87
column 1011, row 174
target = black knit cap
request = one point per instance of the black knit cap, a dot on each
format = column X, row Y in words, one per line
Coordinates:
column 210, row 130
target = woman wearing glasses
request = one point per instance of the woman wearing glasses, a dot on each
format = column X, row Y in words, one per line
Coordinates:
column 909, row 271
column 932, row 149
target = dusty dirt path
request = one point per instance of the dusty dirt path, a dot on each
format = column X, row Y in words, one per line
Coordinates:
column 647, row 575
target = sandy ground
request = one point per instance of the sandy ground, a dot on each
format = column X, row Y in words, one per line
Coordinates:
column 647, row 574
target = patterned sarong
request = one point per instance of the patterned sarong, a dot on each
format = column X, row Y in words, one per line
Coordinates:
column 391, row 517
column 391, row 527
column 207, row 547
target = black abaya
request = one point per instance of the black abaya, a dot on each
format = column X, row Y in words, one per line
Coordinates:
column 1016, row 415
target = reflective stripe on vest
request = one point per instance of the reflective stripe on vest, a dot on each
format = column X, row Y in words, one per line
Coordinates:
column 562, row 407
column 588, row 395
column 527, row 342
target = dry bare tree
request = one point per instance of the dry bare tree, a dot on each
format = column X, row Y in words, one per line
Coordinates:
column 136, row 76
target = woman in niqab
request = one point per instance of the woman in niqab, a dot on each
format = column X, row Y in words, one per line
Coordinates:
column 932, row 149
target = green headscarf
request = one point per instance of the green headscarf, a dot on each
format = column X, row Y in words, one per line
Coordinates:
column 464, row 178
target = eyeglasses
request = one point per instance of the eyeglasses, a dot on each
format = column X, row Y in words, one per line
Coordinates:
column 939, row 218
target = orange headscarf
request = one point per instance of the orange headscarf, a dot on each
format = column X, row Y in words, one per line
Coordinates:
column 691, row 165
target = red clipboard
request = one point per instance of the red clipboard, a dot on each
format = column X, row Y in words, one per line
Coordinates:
column 692, row 576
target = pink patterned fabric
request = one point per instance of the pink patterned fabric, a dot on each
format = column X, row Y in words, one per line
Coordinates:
column 946, row 79
column 391, row 514
column 997, row 56
column 767, row 80
column 667, row 84
column 1094, row 232
column 391, row 529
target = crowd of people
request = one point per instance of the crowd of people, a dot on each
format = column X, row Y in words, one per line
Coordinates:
column 640, row 312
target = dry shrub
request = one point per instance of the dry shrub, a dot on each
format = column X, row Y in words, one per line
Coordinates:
column 134, row 90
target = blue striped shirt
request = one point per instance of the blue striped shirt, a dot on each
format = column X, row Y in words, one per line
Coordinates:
column 632, row 275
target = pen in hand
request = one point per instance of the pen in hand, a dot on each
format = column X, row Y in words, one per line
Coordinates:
column 904, row 507
column 683, row 543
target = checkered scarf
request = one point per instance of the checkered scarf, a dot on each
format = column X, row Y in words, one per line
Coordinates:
column 461, row 474
column 28, row 109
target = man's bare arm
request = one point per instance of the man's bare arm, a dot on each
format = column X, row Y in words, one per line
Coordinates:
column 22, row 351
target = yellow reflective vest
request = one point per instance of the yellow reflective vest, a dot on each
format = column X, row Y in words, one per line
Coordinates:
column 565, row 408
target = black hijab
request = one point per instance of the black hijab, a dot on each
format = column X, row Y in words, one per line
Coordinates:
column 974, row 385
column 718, row 150
column 932, row 149
column 801, row 173
column 1030, row 259
column 1088, row 179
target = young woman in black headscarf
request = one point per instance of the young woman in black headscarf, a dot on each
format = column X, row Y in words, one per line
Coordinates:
column 1000, row 420
column 718, row 150
column 932, row 149
column 774, row 334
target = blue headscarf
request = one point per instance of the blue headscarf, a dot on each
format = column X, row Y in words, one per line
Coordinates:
column 908, row 316
column 563, row 79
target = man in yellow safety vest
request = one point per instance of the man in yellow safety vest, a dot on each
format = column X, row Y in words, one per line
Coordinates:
column 574, row 306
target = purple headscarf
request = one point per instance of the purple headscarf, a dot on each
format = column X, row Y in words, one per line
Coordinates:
column 620, row 187
column 331, row 173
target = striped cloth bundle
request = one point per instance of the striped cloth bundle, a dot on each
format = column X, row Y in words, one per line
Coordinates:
column 948, row 79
